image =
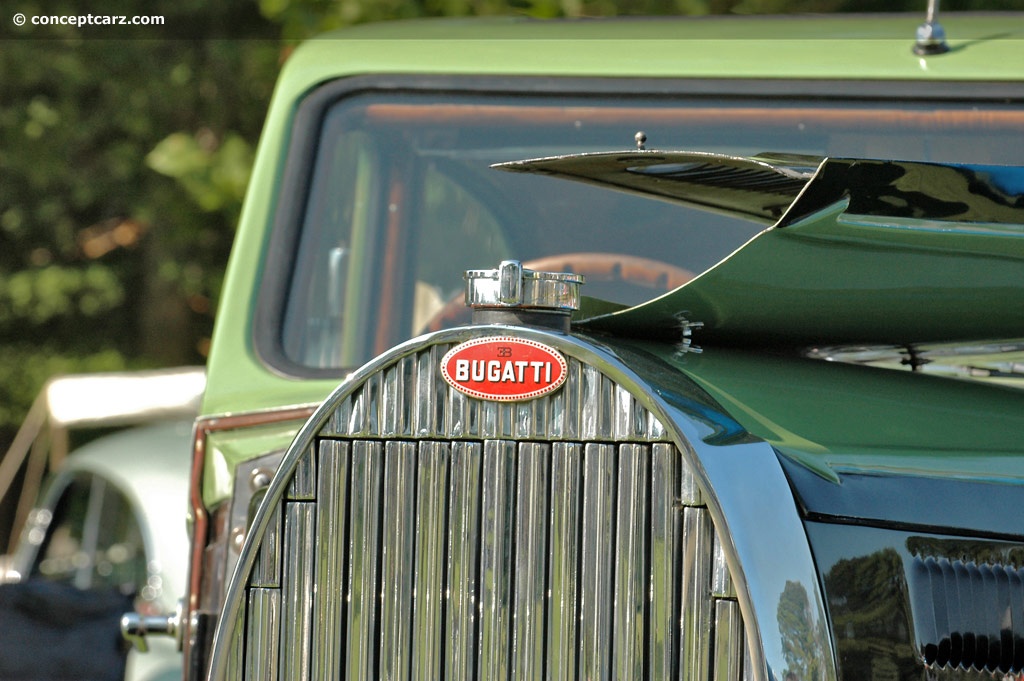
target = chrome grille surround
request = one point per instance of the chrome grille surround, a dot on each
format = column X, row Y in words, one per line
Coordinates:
column 562, row 538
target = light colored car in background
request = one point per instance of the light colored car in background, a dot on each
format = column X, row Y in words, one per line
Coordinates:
column 109, row 520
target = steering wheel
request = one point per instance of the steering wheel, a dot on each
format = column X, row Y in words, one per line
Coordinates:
column 636, row 271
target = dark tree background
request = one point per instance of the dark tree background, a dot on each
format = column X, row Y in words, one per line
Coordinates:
column 124, row 154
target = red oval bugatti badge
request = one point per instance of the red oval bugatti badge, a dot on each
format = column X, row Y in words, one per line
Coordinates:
column 504, row 369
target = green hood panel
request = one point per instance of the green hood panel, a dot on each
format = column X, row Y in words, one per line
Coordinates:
column 864, row 444
column 835, row 418
column 862, row 251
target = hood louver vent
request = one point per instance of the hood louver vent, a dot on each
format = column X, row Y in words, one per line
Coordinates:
column 968, row 616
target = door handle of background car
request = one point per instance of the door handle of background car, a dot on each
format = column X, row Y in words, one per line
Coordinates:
column 135, row 628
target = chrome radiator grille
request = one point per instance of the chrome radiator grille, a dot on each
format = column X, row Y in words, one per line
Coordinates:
column 428, row 535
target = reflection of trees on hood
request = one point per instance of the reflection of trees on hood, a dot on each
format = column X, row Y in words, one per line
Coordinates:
column 800, row 642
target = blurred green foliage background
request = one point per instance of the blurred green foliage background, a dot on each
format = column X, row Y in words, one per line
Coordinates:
column 124, row 156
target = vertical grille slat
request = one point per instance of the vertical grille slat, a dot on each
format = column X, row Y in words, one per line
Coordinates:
column 398, row 525
column 448, row 538
column 393, row 403
column 235, row 663
column 262, row 644
column 598, row 394
column 496, row 559
column 631, row 560
column 438, row 400
column 531, row 561
column 565, row 406
column 303, row 484
column 722, row 585
column 462, row 416
column 267, row 571
column 664, row 523
column 729, row 644
column 374, row 405
column 364, row 548
column 463, row 538
column 566, row 502
column 596, row 592
column 297, row 591
column 697, row 548
column 624, row 423
column 332, row 498
column 429, row 560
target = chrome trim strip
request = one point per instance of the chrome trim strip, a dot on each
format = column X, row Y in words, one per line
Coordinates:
column 494, row 418
column 696, row 582
column 496, row 565
column 327, row 615
column 666, row 515
column 463, row 538
column 565, row 406
column 462, row 412
column 689, row 487
column 364, row 547
column 297, row 590
column 374, row 403
column 630, row 417
column 750, row 671
column 267, row 572
column 399, row 533
column 596, row 394
column 729, row 643
column 262, row 642
column 429, row 516
column 597, row 567
column 303, row 485
column 430, row 412
column 630, row 562
column 722, row 585
column 564, row 552
column 531, row 543
column 236, row 656
column 396, row 408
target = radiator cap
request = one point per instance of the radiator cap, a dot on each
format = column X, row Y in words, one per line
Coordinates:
column 512, row 294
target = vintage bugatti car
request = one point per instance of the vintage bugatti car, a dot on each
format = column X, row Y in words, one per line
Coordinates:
column 744, row 411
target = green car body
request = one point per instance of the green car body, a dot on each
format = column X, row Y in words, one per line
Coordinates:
column 805, row 325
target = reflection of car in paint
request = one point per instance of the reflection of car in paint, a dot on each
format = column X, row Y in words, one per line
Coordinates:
column 107, row 520
column 793, row 501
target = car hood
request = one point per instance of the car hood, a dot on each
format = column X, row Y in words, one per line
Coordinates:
column 856, row 442
column 854, row 250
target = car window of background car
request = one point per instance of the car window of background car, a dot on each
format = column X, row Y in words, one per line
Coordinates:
column 94, row 541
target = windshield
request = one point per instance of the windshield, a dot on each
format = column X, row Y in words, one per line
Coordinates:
column 402, row 200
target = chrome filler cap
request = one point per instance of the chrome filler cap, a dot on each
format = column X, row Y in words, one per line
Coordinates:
column 529, row 295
